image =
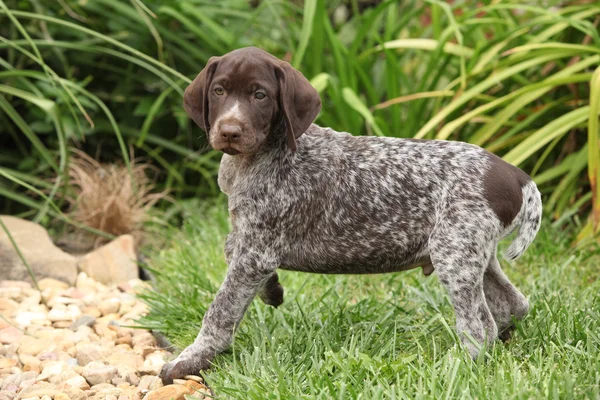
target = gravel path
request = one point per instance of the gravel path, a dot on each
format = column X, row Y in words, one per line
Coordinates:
column 75, row 345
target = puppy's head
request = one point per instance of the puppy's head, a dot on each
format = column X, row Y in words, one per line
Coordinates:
column 240, row 99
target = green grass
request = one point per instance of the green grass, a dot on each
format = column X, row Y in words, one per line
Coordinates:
column 386, row 336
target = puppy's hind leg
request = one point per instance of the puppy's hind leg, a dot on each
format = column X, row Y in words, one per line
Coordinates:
column 460, row 259
column 504, row 300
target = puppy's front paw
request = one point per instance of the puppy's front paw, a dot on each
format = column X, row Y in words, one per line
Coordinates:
column 180, row 367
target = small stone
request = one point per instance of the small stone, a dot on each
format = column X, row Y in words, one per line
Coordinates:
column 8, row 306
column 33, row 346
column 124, row 340
column 46, row 397
column 38, row 389
column 169, row 392
column 64, row 313
column 102, row 390
column 92, row 311
column 114, row 262
column 10, row 335
column 11, row 293
column 62, row 396
column 7, row 362
column 74, row 382
column 97, row 372
column 86, row 353
column 149, row 382
column 144, row 338
column 26, row 318
column 128, row 359
column 194, row 378
column 153, row 363
column 196, row 387
column 85, row 283
column 84, row 320
column 19, row 284
column 145, row 351
column 48, row 356
column 75, row 394
column 50, row 283
column 109, row 306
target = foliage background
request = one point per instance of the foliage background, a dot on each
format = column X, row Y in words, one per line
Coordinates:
column 107, row 76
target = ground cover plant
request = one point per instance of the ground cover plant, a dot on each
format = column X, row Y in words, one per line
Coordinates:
column 384, row 336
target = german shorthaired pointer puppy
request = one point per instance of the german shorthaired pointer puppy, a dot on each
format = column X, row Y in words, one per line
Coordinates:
column 307, row 198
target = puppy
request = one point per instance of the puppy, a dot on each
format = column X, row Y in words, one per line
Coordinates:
column 307, row 198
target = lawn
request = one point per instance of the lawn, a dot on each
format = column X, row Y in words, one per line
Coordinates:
column 384, row 336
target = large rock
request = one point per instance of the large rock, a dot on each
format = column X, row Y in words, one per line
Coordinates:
column 115, row 262
column 45, row 259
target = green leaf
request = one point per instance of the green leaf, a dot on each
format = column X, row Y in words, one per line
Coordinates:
column 353, row 101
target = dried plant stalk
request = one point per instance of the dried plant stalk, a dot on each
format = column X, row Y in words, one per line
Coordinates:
column 110, row 197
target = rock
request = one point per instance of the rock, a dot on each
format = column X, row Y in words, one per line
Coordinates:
column 30, row 360
column 109, row 306
column 149, row 382
column 26, row 318
column 143, row 339
column 8, row 306
column 48, row 356
column 86, row 284
column 44, row 258
column 62, row 396
column 169, row 392
column 38, row 389
column 124, row 340
column 7, row 363
column 97, row 372
column 196, row 387
column 20, row 284
column 87, row 353
column 153, row 363
column 33, row 346
column 92, row 311
column 104, row 389
column 10, row 292
column 10, row 335
column 46, row 397
column 74, row 382
column 57, row 372
column 195, row 378
column 115, row 262
column 84, row 320
column 65, row 313
column 128, row 359
column 50, row 283
column 127, row 375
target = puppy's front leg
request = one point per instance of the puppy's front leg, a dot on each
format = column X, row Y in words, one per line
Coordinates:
column 248, row 270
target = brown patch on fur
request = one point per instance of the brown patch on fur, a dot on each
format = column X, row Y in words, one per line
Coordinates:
column 502, row 185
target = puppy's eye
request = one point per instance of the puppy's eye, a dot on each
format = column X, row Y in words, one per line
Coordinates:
column 259, row 95
column 219, row 91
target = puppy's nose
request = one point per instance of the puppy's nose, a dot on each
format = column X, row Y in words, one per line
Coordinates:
column 231, row 132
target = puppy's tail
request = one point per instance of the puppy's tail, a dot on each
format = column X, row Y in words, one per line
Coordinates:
column 528, row 220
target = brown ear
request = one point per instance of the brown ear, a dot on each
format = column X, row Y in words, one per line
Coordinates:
column 195, row 98
column 300, row 102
